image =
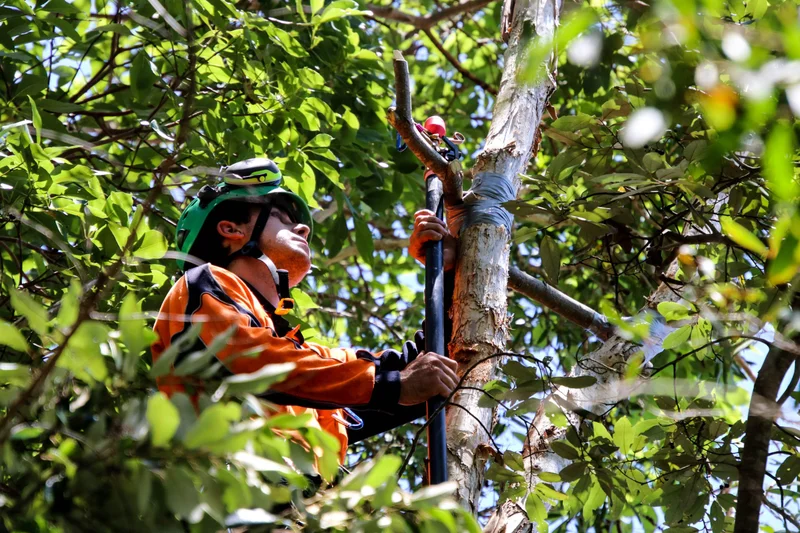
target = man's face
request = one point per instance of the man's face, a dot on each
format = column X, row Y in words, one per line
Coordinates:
column 285, row 242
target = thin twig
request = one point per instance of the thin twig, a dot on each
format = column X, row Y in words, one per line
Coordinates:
column 458, row 66
column 427, row 21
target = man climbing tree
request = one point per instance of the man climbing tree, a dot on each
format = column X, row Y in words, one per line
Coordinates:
column 250, row 238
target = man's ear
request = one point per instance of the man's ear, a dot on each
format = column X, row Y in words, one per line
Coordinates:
column 231, row 231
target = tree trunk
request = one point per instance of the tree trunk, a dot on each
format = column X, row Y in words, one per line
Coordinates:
column 758, row 433
column 480, row 321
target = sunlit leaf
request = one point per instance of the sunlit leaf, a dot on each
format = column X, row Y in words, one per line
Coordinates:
column 163, row 418
column 743, row 237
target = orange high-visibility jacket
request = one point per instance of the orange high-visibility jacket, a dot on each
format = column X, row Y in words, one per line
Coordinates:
column 324, row 379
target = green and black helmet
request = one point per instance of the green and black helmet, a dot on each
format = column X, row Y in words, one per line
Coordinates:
column 253, row 181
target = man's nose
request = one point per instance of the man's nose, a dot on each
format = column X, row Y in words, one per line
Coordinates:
column 302, row 230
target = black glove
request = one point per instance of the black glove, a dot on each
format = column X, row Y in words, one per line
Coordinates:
column 392, row 360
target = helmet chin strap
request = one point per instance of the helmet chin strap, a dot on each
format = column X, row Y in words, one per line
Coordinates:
column 279, row 277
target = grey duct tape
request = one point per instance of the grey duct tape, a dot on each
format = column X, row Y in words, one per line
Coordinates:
column 483, row 203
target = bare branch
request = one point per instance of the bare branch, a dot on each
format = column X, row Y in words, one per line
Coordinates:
column 380, row 245
column 559, row 303
column 428, row 21
column 400, row 117
column 458, row 66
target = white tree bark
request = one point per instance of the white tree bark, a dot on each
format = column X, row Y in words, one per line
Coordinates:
column 480, row 320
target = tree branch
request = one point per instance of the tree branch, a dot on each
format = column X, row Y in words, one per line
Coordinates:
column 757, row 437
column 699, row 238
column 400, row 118
column 458, row 66
column 559, row 303
column 428, row 21
column 380, row 245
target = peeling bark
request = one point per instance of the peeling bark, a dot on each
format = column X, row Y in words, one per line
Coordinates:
column 480, row 327
column 480, row 321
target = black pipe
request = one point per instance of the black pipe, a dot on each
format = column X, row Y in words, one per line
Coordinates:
column 434, row 334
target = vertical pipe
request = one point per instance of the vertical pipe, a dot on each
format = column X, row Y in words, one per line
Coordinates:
column 434, row 333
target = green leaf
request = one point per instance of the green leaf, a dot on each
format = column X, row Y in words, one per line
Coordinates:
column 310, row 78
column 594, row 500
column 623, row 435
column 549, row 492
column 643, row 426
column 153, row 245
column 652, row 161
column 37, row 120
column 569, row 158
column 82, row 355
column 199, row 360
column 31, row 310
column 549, row 477
column 778, row 167
column 551, row 259
column 181, row 494
column 382, row 470
column 142, row 77
column 350, row 118
column 576, row 382
column 572, row 472
column 14, row 374
column 601, row 431
column 513, row 460
column 255, row 382
column 337, row 233
column 432, row 494
column 212, row 425
column 673, row 311
column 185, row 341
column 743, row 237
column 286, row 41
column 68, row 308
column 26, row 432
column 303, row 300
column 695, row 150
column 573, row 122
column 287, row 420
column 10, row 336
column 564, row 450
column 789, row 470
column 519, row 371
column 163, row 418
column 132, row 326
column 364, row 242
column 328, row 171
column 322, row 140
column 316, row 5
column 783, row 267
column 536, row 511
column 336, row 10
column 677, row 338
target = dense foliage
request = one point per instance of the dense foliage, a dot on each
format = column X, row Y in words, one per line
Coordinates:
column 673, row 134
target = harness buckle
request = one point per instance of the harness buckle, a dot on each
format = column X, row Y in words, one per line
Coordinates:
column 285, row 306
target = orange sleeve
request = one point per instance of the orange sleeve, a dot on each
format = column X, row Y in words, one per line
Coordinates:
column 323, row 377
